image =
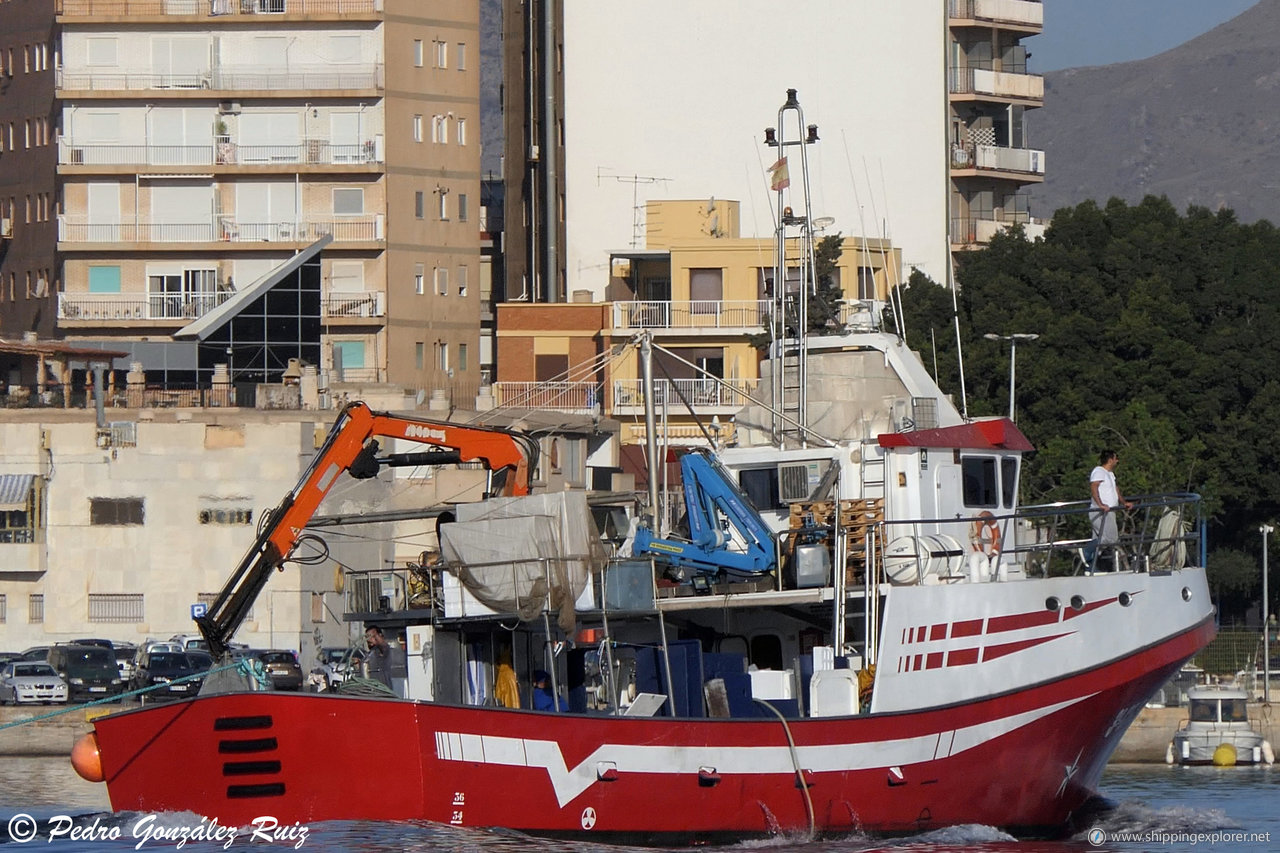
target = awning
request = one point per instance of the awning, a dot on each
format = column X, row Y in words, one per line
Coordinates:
column 998, row 434
column 14, row 491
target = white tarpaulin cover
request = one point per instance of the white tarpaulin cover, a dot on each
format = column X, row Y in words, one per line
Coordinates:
column 523, row 554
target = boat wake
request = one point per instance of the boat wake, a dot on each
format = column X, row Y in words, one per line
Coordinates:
column 1135, row 817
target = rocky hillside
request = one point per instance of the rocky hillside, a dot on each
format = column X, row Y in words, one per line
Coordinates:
column 1199, row 123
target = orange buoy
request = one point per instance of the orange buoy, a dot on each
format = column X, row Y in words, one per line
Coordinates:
column 86, row 759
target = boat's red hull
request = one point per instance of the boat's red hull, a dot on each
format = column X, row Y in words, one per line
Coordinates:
column 1024, row 760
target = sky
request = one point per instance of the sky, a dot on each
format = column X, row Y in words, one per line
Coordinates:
column 1099, row 32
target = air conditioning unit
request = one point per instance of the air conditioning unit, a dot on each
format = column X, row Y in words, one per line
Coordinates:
column 796, row 482
column 230, row 108
column 6, row 227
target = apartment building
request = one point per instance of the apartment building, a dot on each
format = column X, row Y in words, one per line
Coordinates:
column 28, row 154
column 677, row 109
column 703, row 292
column 199, row 146
column 990, row 92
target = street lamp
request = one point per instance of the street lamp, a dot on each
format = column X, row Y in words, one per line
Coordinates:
column 1266, row 628
column 1013, row 352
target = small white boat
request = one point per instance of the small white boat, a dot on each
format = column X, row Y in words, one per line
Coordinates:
column 1218, row 730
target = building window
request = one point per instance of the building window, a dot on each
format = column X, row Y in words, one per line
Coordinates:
column 419, row 204
column 444, row 204
column 348, row 354
column 35, row 608
column 225, row 516
column 706, row 290
column 439, row 129
column 866, row 283
column 417, row 128
column 317, row 607
column 440, row 52
column 348, row 201
column 101, row 51
column 113, row 607
column 462, row 207
column 462, row 130
column 419, row 278
column 442, row 356
column 460, row 54
column 462, row 281
column 21, row 506
column 116, row 512
column 419, row 354
column 442, row 281
column 4, row 608
column 462, row 356
column 418, row 53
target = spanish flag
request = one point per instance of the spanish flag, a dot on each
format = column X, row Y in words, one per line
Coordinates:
column 779, row 177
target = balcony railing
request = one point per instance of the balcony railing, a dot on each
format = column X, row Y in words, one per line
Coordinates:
column 234, row 78
column 74, row 229
column 138, row 306
column 997, row 158
column 1001, row 84
column 698, row 314
column 363, row 304
column 575, row 397
column 221, row 151
column 1028, row 13
column 702, row 394
column 969, row 230
column 85, row 8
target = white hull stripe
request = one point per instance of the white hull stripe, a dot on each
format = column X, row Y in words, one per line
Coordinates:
column 568, row 783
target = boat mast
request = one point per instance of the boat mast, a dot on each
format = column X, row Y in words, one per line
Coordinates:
column 789, row 318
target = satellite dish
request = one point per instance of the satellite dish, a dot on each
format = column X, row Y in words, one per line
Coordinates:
column 823, row 222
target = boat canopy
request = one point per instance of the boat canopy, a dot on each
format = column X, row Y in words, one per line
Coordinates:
column 998, row 434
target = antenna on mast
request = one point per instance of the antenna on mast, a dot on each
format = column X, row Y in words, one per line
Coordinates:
column 637, row 220
column 789, row 320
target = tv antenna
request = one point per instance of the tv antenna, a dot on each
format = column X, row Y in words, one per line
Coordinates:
column 637, row 220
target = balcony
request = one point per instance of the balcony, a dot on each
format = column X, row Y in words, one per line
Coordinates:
column 214, row 8
column 236, row 78
column 1017, row 13
column 573, row 397
column 224, row 229
column 997, row 158
column 971, row 231
column 996, row 84
column 706, row 396
column 132, row 307
column 353, row 306
column 701, row 315
column 221, row 151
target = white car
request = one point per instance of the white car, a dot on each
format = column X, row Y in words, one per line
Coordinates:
column 30, row 682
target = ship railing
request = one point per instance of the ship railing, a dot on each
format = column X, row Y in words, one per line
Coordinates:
column 1158, row 532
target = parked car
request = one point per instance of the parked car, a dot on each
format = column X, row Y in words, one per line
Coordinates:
column 337, row 664
column 35, row 653
column 190, row 642
column 162, row 671
column 90, row 671
column 106, row 644
column 200, row 661
column 23, row 682
column 282, row 668
column 125, row 653
column 5, row 657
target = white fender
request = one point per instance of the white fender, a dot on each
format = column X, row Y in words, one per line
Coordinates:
column 1268, row 754
column 1168, row 754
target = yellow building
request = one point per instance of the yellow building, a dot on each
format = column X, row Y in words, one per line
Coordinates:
column 704, row 294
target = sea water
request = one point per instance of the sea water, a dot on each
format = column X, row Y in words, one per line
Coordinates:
column 1142, row 808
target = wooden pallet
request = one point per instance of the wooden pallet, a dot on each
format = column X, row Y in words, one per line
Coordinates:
column 854, row 512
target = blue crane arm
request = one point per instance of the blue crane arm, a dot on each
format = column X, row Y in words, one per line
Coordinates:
column 711, row 495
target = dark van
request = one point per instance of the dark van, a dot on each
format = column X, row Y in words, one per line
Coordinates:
column 90, row 671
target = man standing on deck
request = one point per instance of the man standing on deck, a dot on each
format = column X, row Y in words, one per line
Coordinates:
column 378, row 662
column 1105, row 500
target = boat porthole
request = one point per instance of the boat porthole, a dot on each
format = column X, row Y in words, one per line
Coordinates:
column 1186, row 594
column 1052, row 603
column 1077, row 603
column 1125, row 599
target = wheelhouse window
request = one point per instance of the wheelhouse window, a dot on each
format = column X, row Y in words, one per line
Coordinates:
column 981, row 487
column 1009, row 480
column 1204, row 711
